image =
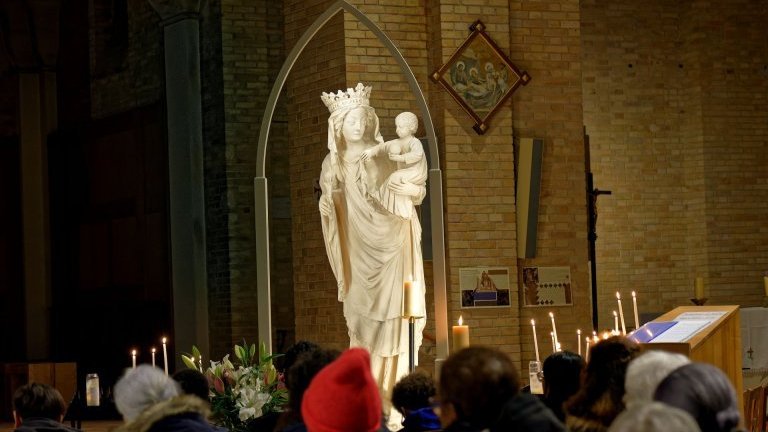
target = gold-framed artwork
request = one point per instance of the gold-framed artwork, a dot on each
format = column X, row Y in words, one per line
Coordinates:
column 480, row 77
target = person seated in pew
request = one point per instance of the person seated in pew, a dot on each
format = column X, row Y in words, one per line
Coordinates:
column 600, row 398
column 479, row 391
column 645, row 416
column 151, row 401
column 411, row 397
column 645, row 372
column 562, row 379
column 39, row 408
column 705, row 392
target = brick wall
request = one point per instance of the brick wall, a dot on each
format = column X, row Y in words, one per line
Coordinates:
column 135, row 78
column 674, row 103
column 252, row 53
column 216, row 208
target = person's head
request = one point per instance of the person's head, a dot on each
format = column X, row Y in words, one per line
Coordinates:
column 604, row 379
column 193, row 382
column 413, row 392
column 407, row 123
column 300, row 374
column 141, row 388
column 646, row 371
column 37, row 400
column 289, row 357
column 704, row 392
column 562, row 375
column 645, row 416
column 343, row 397
column 475, row 383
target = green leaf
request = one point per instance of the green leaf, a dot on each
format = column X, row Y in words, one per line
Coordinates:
column 188, row 362
column 195, row 352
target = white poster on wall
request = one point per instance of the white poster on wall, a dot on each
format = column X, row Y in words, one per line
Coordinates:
column 483, row 287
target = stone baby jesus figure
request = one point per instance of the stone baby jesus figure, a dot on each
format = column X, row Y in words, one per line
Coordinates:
column 408, row 152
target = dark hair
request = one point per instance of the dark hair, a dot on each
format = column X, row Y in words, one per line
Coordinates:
column 478, row 381
column 303, row 370
column 285, row 361
column 704, row 392
column 192, row 382
column 413, row 392
column 38, row 400
column 604, row 381
column 562, row 379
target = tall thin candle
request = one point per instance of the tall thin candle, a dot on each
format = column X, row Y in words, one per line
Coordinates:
column 621, row 314
column 554, row 344
column 153, row 356
column 634, row 309
column 578, row 339
column 133, row 357
column 615, row 322
column 535, row 340
column 165, row 355
column 587, row 352
column 554, row 329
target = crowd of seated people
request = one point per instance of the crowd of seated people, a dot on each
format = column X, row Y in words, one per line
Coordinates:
column 621, row 389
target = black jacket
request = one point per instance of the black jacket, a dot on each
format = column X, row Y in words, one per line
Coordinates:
column 40, row 424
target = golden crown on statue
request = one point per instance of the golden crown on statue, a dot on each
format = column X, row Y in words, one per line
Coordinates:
column 359, row 96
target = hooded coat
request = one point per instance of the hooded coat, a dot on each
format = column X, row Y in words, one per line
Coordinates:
column 182, row 413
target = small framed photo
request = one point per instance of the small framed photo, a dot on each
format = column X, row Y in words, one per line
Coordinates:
column 480, row 77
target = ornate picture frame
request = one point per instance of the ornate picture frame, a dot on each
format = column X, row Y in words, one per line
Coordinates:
column 480, row 77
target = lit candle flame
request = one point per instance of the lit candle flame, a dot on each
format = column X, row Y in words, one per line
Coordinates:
column 461, row 320
column 164, row 339
column 618, row 295
column 533, row 322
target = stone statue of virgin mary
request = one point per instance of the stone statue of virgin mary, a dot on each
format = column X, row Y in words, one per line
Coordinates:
column 371, row 250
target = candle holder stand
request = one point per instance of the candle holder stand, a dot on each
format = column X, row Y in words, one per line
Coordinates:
column 411, row 343
column 699, row 301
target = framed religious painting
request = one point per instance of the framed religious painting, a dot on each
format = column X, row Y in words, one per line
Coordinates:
column 480, row 77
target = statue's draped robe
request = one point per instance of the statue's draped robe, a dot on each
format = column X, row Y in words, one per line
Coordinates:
column 372, row 252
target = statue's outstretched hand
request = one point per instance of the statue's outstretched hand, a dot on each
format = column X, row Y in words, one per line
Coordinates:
column 366, row 155
column 405, row 188
column 326, row 208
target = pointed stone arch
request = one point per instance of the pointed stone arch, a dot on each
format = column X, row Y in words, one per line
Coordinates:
column 261, row 213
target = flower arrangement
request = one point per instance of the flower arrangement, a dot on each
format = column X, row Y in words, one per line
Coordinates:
column 243, row 391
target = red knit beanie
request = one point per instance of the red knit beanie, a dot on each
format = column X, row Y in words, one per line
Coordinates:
column 343, row 397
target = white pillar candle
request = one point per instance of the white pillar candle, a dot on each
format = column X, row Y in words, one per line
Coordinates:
column 460, row 335
column 165, row 355
column 153, row 356
column 554, row 329
column 535, row 341
column 578, row 339
column 621, row 314
column 634, row 309
column 133, row 357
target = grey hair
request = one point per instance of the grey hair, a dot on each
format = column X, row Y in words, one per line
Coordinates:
column 142, row 388
column 645, row 372
column 654, row 417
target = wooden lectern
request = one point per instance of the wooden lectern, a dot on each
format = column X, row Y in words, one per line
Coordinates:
column 718, row 344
